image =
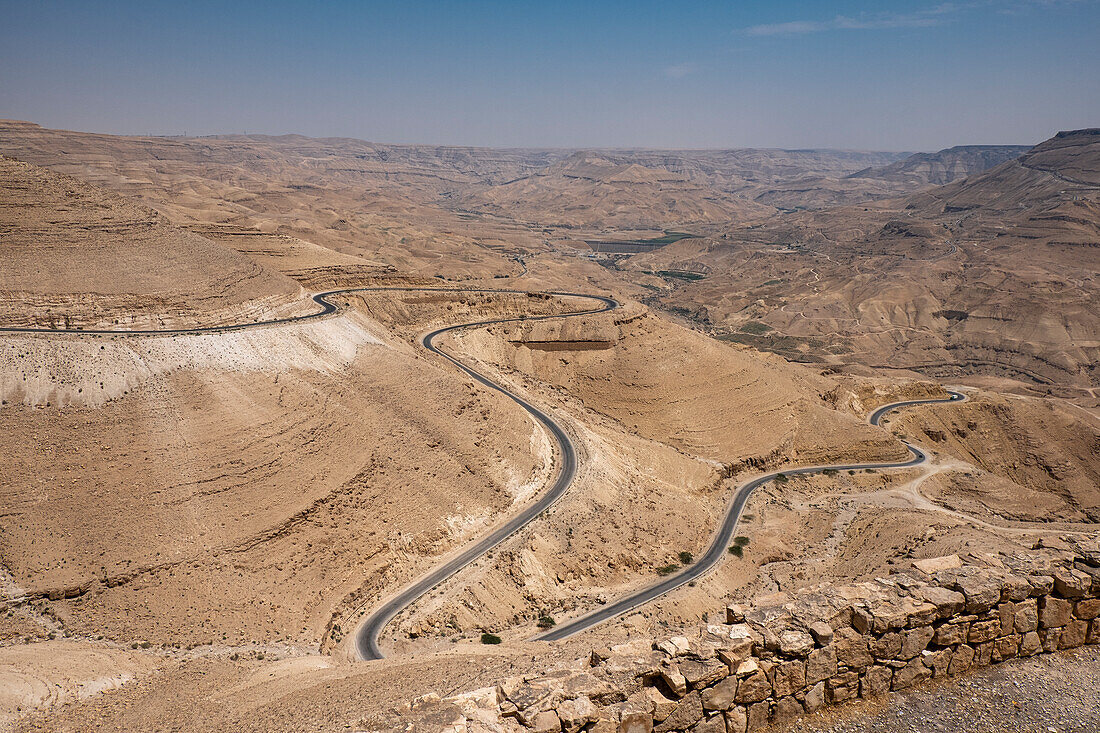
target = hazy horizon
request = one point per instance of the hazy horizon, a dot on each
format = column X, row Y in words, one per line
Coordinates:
column 805, row 75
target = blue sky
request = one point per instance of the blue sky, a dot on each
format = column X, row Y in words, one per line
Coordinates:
column 865, row 75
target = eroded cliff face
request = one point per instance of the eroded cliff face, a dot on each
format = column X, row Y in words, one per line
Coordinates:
column 76, row 256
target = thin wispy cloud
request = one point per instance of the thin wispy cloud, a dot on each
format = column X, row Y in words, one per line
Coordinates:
column 865, row 21
column 924, row 18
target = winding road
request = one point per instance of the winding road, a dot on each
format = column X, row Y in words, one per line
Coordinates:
column 370, row 629
column 717, row 549
column 366, row 635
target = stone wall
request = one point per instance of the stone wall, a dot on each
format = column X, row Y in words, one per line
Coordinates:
column 789, row 655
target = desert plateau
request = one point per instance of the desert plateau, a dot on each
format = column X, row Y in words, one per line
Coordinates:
column 306, row 432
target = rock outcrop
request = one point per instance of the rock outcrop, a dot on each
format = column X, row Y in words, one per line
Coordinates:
column 789, row 655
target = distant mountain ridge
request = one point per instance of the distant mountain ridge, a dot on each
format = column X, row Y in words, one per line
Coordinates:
column 945, row 166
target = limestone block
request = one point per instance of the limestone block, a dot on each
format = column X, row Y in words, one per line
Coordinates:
column 1050, row 638
column 753, row 688
column 1074, row 634
column 661, row 706
column 1027, row 616
column 875, row 681
column 961, row 660
column 1030, row 645
column 546, row 722
column 947, row 602
column 737, row 719
column 795, row 643
column 844, row 686
column 1041, row 585
column 758, row 717
column 787, row 709
column 1006, row 647
column 823, row 632
column 1071, row 583
column 1054, row 612
column 713, row 724
column 983, row 655
column 688, row 711
column 852, row 649
column 1088, row 609
column 950, row 634
column 981, row 591
column 887, row 646
column 938, row 661
column 915, row 641
column 933, row 565
column 815, row 697
column 981, row 631
column 676, row 682
column 788, row 677
column 720, row 696
column 1006, row 612
column 821, row 664
column 576, row 713
column 912, row 673
column 702, row 673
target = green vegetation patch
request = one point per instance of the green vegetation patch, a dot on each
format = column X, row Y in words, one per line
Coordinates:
column 755, row 327
column 676, row 274
column 686, row 557
column 488, row 638
column 668, row 569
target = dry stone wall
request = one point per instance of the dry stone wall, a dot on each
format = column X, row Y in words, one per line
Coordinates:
column 791, row 654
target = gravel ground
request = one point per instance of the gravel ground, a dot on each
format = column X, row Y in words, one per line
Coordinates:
column 1049, row 693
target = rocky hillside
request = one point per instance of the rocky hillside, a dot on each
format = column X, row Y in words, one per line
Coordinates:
column 945, row 166
column 994, row 275
column 591, row 190
column 78, row 256
column 793, row 654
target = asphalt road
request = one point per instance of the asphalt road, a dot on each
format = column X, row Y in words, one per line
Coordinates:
column 718, row 546
column 368, row 632
column 366, row 635
column 327, row 308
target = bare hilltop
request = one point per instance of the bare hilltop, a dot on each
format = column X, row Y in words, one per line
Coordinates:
column 212, row 482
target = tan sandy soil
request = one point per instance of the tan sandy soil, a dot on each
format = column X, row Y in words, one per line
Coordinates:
column 229, row 500
column 292, row 465
column 57, row 672
column 993, row 275
column 78, row 256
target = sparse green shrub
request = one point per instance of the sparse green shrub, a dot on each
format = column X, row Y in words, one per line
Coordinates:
column 667, row 569
column 686, row 557
column 737, row 550
column 545, row 621
column 740, row 540
column 488, row 638
column 756, row 328
column 781, row 478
